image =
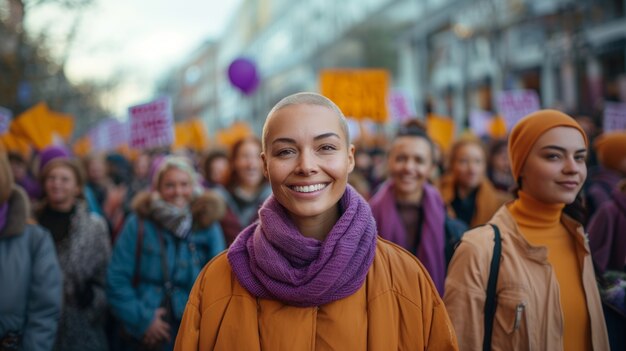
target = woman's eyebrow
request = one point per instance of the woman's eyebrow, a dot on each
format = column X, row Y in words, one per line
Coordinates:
column 317, row 137
column 561, row 149
column 327, row 135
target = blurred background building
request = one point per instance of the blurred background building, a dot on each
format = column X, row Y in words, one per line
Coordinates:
column 450, row 55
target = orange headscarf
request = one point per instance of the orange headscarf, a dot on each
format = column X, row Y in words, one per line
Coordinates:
column 529, row 129
column 611, row 149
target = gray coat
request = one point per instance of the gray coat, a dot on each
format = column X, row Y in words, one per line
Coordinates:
column 83, row 255
column 30, row 279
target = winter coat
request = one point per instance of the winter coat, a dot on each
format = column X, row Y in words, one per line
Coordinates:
column 237, row 216
column 607, row 233
column 526, row 279
column 83, row 255
column 397, row 308
column 30, row 277
column 601, row 182
column 135, row 304
column 488, row 200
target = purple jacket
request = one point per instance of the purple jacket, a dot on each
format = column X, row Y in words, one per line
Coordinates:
column 431, row 249
column 601, row 184
column 607, row 234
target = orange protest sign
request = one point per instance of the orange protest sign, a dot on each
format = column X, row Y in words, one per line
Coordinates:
column 497, row 129
column 190, row 134
column 441, row 130
column 17, row 144
column 39, row 126
column 82, row 146
column 359, row 93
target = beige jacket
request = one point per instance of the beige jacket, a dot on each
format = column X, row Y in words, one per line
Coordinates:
column 528, row 313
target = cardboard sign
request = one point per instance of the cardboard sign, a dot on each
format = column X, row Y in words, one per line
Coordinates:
column 401, row 106
column 5, row 119
column 359, row 93
column 516, row 104
column 441, row 130
column 614, row 116
column 151, row 124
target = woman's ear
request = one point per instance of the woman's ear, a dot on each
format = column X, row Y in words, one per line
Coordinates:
column 351, row 161
column 265, row 173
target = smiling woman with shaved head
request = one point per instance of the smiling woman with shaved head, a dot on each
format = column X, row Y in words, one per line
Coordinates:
column 311, row 273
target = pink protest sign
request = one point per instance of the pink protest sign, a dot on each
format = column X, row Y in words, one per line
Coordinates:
column 614, row 116
column 5, row 119
column 515, row 104
column 401, row 106
column 151, row 124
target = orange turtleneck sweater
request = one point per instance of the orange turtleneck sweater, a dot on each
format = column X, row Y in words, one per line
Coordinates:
column 541, row 226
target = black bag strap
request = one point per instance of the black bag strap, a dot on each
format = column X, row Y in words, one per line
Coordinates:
column 490, row 302
column 138, row 250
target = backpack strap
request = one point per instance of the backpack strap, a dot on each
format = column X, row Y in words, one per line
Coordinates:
column 138, row 250
column 490, row 302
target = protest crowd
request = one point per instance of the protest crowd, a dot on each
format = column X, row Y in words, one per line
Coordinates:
column 297, row 237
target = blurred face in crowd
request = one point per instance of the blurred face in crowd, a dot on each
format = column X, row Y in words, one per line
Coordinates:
column 218, row 170
column 248, row 165
column 61, row 187
column 18, row 169
column 141, row 166
column 500, row 161
column 307, row 159
column 176, row 187
column 96, row 170
column 555, row 169
column 409, row 164
column 469, row 166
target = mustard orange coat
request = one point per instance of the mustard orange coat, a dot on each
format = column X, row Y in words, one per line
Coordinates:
column 488, row 200
column 397, row 308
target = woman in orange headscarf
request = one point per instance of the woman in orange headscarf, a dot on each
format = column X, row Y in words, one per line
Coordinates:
column 545, row 295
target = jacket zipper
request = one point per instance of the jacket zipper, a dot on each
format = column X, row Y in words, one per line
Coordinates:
column 519, row 310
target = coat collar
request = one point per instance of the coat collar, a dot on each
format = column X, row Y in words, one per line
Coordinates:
column 17, row 216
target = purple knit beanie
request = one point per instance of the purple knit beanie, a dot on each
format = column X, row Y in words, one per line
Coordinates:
column 50, row 153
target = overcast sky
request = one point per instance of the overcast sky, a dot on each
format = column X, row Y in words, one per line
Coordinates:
column 134, row 39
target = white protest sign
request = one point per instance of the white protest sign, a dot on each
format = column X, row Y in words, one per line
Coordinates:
column 516, row 104
column 109, row 134
column 401, row 105
column 5, row 119
column 614, row 116
column 480, row 121
column 151, row 124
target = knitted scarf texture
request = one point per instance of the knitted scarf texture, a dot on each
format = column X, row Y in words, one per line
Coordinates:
column 273, row 260
column 176, row 220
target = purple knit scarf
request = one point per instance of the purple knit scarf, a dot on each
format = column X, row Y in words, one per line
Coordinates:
column 273, row 260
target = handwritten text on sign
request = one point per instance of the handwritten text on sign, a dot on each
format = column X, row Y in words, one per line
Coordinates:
column 151, row 124
column 516, row 104
column 358, row 93
column 614, row 116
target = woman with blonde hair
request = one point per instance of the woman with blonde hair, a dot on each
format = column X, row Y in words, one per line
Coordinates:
column 171, row 234
column 526, row 281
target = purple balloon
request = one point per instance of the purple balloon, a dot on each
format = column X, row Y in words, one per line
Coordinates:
column 243, row 75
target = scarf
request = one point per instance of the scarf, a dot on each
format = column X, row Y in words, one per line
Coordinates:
column 4, row 210
column 174, row 219
column 431, row 249
column 273, row 260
